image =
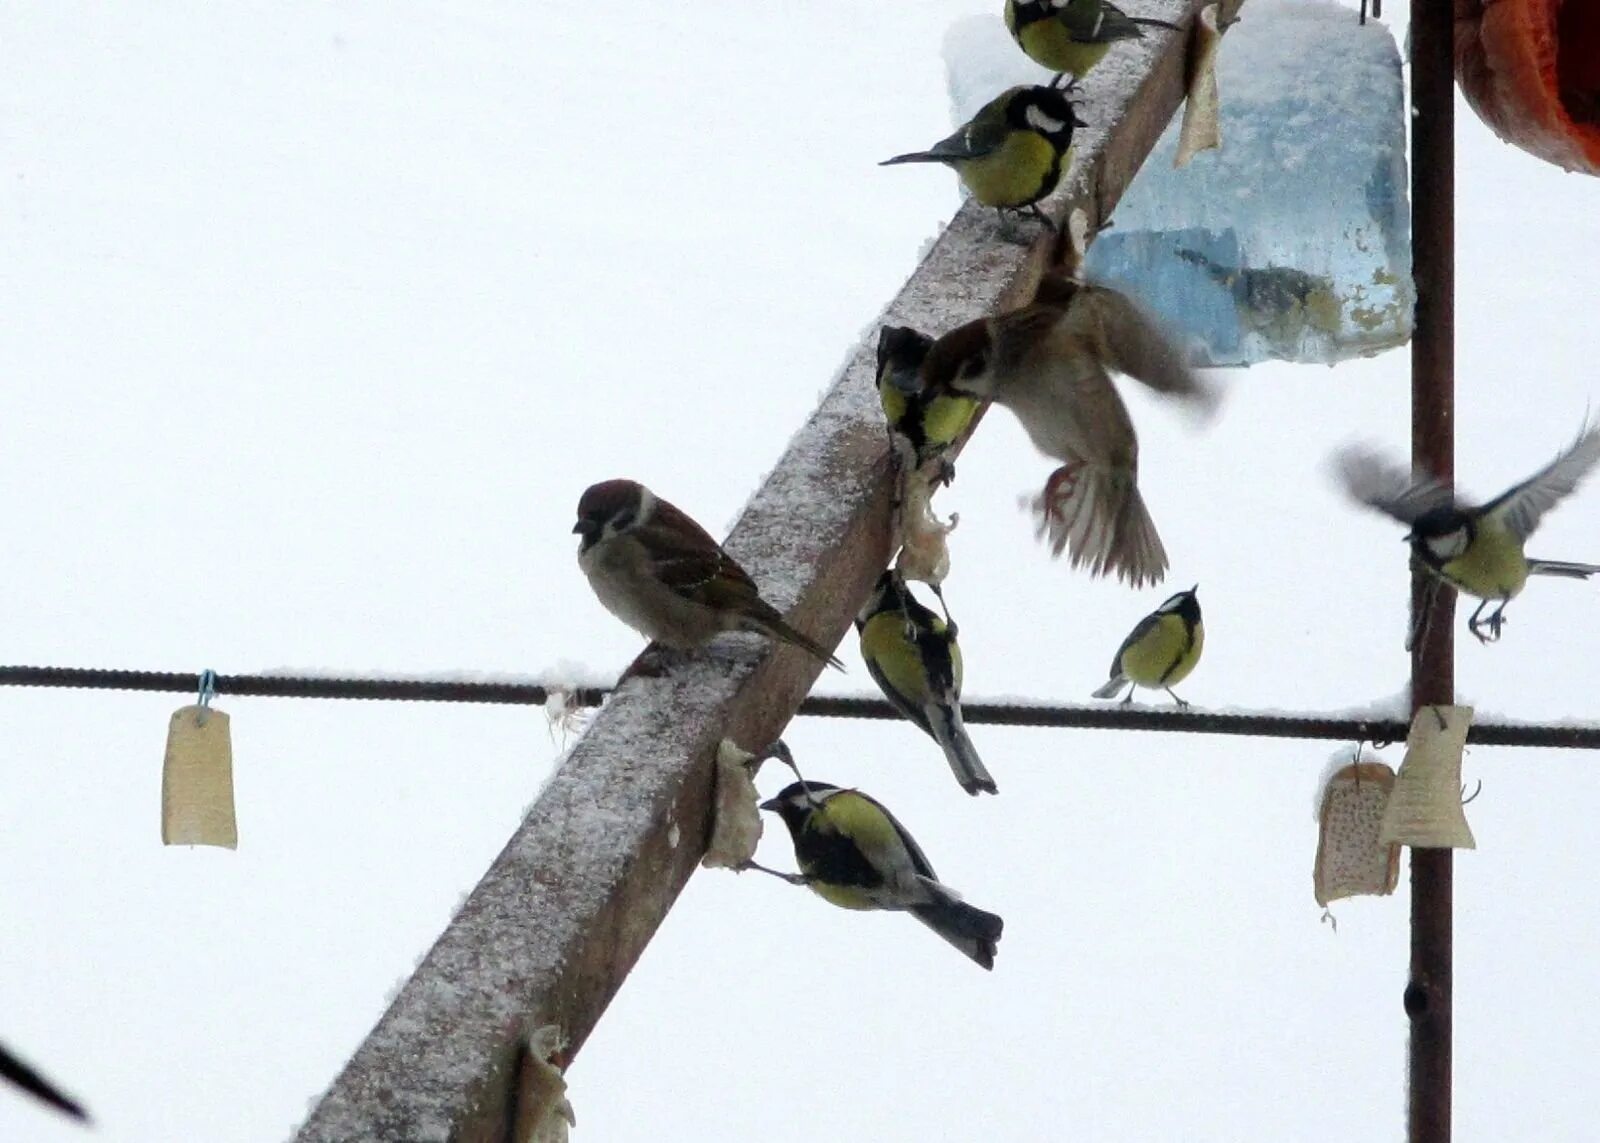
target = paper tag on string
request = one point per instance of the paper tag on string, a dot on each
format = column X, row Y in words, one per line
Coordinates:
column 1201, row 130
column 1424, row 810
column 197, row 780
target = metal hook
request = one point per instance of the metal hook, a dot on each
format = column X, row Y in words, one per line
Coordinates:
column 1467, row 801
column 208, row 691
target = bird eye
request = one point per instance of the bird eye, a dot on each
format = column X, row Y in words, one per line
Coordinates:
column 975, row 365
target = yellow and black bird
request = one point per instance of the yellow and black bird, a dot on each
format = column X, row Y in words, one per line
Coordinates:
column 1476, row 549
column 913, row 657
column 854, row 854
column 1070, row 36
column 1161, row 651
column 924, row 420
column 1012, row 152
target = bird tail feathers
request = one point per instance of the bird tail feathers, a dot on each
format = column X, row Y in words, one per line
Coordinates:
column 973, row 931
column 916, row 157
column 1562, row 568
column 772, row 625
column 951, row 734
column 1112, row 687
column 1098, row 518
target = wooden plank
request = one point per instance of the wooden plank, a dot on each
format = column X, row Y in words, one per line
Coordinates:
column 554, row 927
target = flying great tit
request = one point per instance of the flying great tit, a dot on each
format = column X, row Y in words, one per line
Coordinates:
column 1012, row 152
column 1070, row 36
column 1476, row 549
column 1161, row 650
column 923, row 422
column 1050, row 363
column 660, row 573
column 912, row 655
column 854, row 854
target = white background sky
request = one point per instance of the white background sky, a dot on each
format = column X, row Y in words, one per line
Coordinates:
column 314, row 322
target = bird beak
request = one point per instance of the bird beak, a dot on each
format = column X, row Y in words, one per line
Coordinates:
column 1194, row 590
column 585, row 528
column 771, row 804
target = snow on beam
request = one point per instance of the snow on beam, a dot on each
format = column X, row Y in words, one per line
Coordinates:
column 557, row 922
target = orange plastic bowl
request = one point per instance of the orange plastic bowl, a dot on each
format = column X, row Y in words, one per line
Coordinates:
column 1531, row 70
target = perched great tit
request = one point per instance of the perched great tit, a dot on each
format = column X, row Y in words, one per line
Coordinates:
column 1012, row 152
column 30, row 1081
column 1161, row 650
column 854, row 854
column 923, row 422
column 1050, row 363
column 660, row 573
column 1071, row 36
column 912, row 655
column 1478, row 550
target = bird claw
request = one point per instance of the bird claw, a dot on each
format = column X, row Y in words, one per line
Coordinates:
column 1058, row 490
column 1493, row 623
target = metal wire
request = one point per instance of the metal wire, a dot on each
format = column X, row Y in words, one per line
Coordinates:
column 1333, row 727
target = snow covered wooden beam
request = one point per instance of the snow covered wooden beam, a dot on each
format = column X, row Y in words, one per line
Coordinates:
column 554, row 927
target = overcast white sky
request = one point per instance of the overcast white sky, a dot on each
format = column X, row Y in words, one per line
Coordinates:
column 314, row 322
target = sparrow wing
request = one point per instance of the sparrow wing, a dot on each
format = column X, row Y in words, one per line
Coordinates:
column 1083, row 405
column 1378, row 482
column 1135, row 344
column 1522, row 507
column 685, row 558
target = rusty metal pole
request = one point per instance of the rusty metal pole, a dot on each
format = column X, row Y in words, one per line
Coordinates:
column 1428, row 992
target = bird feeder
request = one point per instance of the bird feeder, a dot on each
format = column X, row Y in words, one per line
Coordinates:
column 1531, row 70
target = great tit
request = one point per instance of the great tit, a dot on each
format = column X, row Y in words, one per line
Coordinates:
column 1161, row 650
column 923, row 422
column 853, row 853
column 30, row 1081
column 1050, row 364
column 1476, row 549
column 660, row 573
column 1071, row 36
column 912, row 655
column 1012, row 152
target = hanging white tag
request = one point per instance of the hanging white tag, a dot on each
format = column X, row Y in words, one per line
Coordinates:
column 197, row 780
column 1424, row 810
column 1201, row 130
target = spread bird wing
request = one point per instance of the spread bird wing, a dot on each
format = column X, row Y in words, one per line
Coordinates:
column 1378, row 482
column 1136, row 344
column 686, row 559
column 1522, row 507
